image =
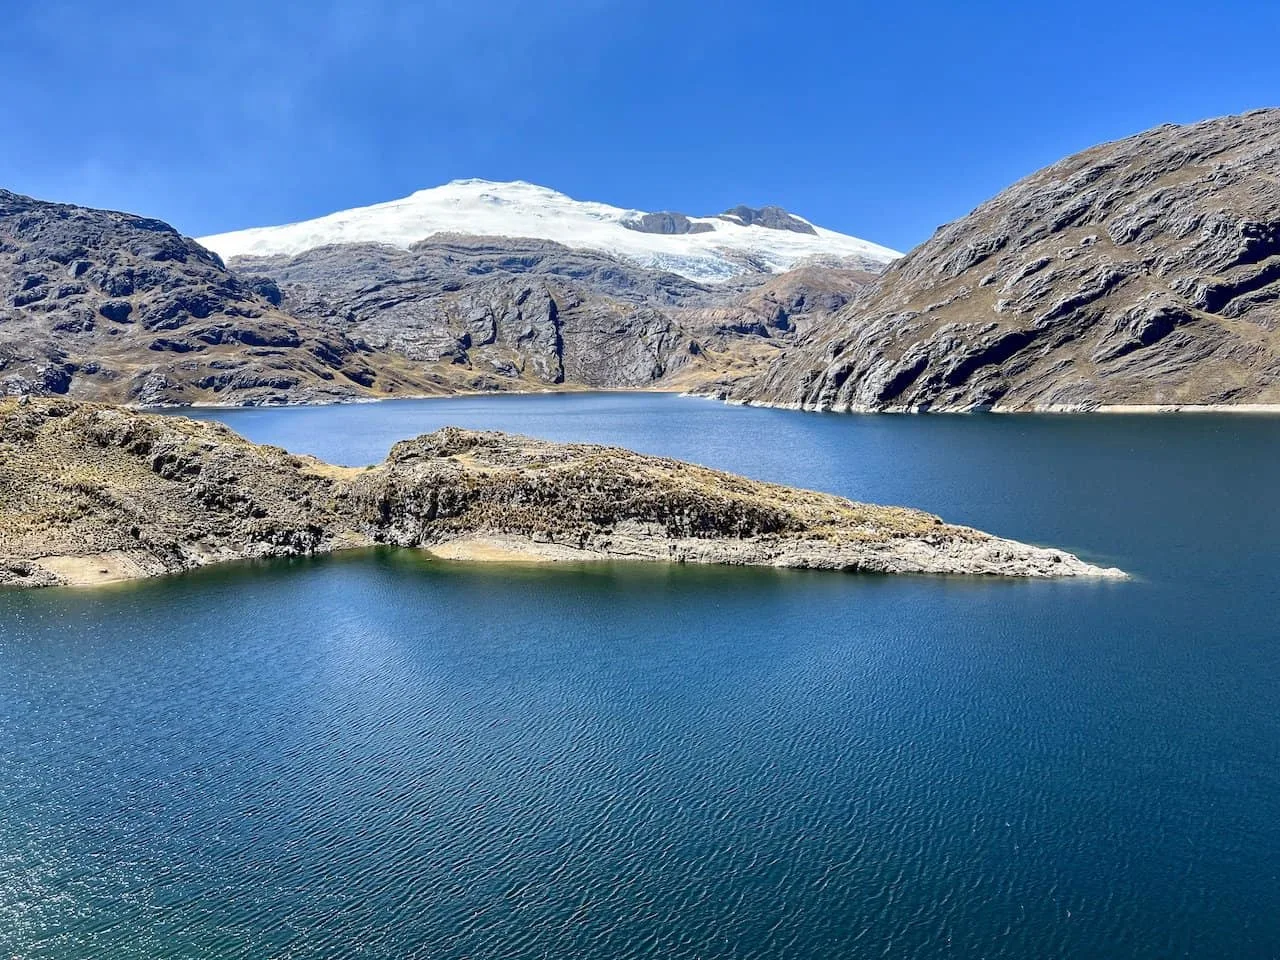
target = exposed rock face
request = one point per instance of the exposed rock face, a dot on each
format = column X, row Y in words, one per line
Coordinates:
column 521, row 313
column 94, row 493
column 500, row 312
column 775, row 218
column 97, row 304
column 1145, row 271
column 771, row 217
column 796, row 301
column 666, row 222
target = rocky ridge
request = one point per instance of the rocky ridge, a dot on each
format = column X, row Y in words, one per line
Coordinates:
column 92, row 493
column 1140, row 272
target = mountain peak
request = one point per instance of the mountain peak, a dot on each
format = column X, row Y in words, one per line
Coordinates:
column 703, row 248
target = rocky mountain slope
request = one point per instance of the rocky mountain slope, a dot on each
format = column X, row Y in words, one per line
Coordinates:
column 1145, row 271
column 105, row 305
column 94, row 493
column 496, row 311
column 740, row 241
column 100, row 305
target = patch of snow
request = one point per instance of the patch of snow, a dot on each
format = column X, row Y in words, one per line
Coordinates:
column 519, row 209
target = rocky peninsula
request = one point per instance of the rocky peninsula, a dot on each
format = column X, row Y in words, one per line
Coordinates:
column 91, row 493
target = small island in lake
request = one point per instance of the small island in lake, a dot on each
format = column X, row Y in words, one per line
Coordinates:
column 91, row 493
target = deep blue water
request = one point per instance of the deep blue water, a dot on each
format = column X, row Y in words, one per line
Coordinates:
column 379, row 755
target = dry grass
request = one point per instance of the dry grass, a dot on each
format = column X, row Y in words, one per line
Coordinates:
column 90, row 493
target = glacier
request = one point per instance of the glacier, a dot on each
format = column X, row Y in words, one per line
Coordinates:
column 486, row 208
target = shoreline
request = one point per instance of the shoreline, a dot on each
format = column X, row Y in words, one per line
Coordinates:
column 1056, row 409
column 463, row 394
column 109, row 568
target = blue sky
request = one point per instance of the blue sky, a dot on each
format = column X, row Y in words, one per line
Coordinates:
column 881, row 120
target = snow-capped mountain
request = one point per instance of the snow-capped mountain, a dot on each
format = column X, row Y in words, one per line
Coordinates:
column 707, row 249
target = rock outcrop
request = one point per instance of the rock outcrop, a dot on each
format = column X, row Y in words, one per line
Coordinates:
column 92, row 493
column 1140, row 272
column 770, row 217
column 666, row 222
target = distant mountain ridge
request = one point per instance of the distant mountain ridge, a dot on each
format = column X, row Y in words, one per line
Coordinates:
column 1140, row 272
column 102, row 305
column 710, row 249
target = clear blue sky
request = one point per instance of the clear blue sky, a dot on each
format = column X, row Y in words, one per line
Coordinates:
column 883, row 120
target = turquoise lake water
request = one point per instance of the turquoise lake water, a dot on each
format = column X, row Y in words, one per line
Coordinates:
column 379, row 755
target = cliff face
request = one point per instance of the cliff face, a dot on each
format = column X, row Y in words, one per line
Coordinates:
column 1145, row 271
column 91, row 493
column 498, row 312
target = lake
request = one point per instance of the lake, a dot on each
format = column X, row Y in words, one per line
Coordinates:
column 380, row 755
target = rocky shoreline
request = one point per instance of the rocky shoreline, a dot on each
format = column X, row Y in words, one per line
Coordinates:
column 1263, row 409
column 92, row 494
